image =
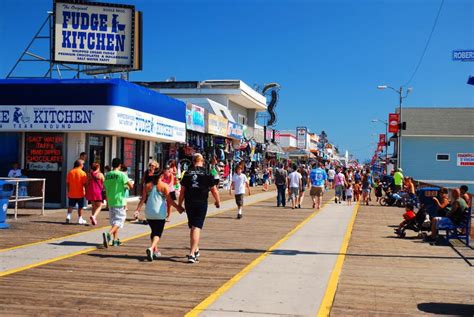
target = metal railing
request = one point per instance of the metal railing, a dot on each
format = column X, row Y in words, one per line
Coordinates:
column 16, row 198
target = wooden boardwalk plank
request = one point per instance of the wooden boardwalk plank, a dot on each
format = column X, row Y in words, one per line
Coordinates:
column 386, row 276
column 120, row 280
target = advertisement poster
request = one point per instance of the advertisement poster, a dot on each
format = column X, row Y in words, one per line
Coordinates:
column 93, row 33
column 195, row 118
column 393, row 120
column 301, row 133
column 465, row 159
column 44, row 152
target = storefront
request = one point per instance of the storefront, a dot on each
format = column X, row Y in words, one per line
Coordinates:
column 56, row 120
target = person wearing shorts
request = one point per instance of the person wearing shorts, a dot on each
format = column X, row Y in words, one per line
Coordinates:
column 294, row 185
column 331, row 173
column 76, row 181
column 116, row 183
column 195, row 187
column 339, row 184
column 157, row 198
column 304, row 183
column 239, row 183
column 318, row 178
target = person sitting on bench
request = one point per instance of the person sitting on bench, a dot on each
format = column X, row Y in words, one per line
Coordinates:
column 453, row 217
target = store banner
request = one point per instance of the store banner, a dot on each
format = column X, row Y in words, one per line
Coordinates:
column 382, row 139
column 195, row 118
column 301, row 137
column 465, row 159
column 93, row 33
column 393, row 121
column 216, row 125
column 123, row 121
column 235, row 130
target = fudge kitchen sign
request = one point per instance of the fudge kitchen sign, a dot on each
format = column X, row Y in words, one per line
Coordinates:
column 93, row 33
column 123, row 120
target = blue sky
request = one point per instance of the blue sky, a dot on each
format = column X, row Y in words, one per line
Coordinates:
column 328, row 56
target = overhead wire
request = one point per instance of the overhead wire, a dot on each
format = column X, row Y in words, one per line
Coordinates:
column 426, row 45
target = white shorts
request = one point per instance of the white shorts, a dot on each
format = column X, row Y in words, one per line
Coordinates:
column 117, row 216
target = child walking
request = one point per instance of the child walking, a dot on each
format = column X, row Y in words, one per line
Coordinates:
column 116, row 182
column 349, row 193
column 158, row 198
column 239, row 183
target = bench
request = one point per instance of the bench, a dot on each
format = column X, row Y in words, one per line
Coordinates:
column 461, row 231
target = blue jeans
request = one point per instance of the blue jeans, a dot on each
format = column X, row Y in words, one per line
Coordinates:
column 281, row 198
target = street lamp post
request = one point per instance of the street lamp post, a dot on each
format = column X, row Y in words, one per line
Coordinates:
column 386, row 140
column 401, row 97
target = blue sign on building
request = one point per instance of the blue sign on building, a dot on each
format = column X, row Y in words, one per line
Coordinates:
column 463, row 55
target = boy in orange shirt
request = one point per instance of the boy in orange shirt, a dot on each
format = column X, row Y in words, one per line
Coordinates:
column 76, row 182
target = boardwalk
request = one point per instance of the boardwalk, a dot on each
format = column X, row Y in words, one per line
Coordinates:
column 386, row 276
column 273, row 261
column 121, row 280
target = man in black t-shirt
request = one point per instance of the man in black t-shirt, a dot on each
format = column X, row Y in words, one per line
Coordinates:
column 195, row 187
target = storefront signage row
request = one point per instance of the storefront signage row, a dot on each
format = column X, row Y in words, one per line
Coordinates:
column 91, row 118
column 235, row 130
column 216, row 125
column 195, row 118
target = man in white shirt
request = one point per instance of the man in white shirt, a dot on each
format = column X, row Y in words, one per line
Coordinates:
column 331, row 174
column 294, row 185
column 239, row 183
column 15, row 172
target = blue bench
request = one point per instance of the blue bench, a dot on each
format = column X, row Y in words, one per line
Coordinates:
column 456, row 232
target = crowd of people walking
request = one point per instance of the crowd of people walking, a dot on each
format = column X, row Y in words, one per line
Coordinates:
column 162, row 189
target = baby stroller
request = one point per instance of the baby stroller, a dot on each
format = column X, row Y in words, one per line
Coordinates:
column 419, row 224
column 392, row 199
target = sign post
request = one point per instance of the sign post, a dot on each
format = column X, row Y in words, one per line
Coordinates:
column 301, row 137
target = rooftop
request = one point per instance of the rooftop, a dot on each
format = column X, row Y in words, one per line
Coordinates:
column 237, row 91
column 438, row 121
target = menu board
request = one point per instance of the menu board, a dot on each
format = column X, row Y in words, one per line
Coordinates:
column 44, row 151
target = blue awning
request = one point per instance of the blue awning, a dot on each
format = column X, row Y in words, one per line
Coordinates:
column 87, row 92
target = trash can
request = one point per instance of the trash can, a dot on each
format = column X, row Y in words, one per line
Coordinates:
column 425, row 198
column 6, row 190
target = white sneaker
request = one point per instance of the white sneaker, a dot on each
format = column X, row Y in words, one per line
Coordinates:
column 68, row 218
column 81, row 221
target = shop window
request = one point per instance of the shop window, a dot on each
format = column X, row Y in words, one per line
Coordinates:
column 442, row 157
column 44, row 151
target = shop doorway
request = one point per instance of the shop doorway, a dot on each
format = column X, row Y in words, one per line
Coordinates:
column 133, row 157
column 98, row 149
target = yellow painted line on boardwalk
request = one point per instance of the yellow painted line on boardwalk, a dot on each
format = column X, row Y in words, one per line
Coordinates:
column 224, row 288
column 70, row 255
column 328, row 299
column 77, row 234
column 52, row 239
